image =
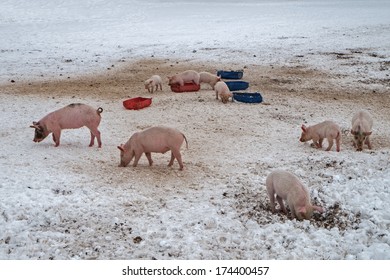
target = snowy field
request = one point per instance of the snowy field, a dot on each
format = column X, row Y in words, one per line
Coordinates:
column 311, row 60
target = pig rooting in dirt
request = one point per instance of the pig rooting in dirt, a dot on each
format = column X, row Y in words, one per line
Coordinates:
column 153, row 83
column 317, row 133
column 222, row 90
column 361, row 129
column 156, row 139
column 284, row 185
column 72, row 116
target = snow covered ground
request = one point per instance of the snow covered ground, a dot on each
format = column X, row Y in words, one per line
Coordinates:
column 312, row 60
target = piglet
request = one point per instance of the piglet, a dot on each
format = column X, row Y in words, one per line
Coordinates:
column 156, row 139
column 189, row 76
column 208, row 78
column 361, row 129
column 286, row 186
column 72, row 116
column 222, row 90
column 152, row 83
column 318, row 132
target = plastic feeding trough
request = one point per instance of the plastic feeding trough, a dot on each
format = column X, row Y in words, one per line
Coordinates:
column 137, row 103
column 234, row 75
column 248, row 97
column 185, row 88
column 237, row 85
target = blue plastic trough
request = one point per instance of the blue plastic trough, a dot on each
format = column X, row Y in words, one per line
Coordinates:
column 234, row 75
column 237, row 85
column 248, row 97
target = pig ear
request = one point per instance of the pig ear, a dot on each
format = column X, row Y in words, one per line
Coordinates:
column 121, row 148
column 367, row 133
column 353, row 132
column 35, row 125
column 304, row 128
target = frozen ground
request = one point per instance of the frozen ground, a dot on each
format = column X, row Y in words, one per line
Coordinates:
column 311, row 60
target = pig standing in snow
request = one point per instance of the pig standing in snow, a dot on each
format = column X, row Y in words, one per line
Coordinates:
column 156, row 139
column 361, row 129
column 72, row 116
column 189, row 76
column 318, row 132
column 286, row 186
column 152, row 83
column 222, row 90
column 208, row 78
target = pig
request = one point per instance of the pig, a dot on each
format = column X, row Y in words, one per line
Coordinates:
column 286, row 186
column 361, row 129
column 75, row 115
column 157, row 139
column 152, row 83
column 189, row 76
column 208, row 78
column 318, row 132
column 222, row 90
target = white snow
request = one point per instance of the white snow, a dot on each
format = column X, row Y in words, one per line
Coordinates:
column 74, row 202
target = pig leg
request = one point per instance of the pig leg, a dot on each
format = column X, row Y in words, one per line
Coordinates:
column 95, row 133
column 176, row 154
column 330, row 141
column 131, row 157
column 149, row 157
column 338, row 144
column 56, row 137
column 271, row 192
column 172, row 159
column 136, row 159
column 272, row 201
column 282, row 207
column 367, row 141
column 160, row 86
column 91, row 143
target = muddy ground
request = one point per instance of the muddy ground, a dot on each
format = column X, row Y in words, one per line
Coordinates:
column 232, row 147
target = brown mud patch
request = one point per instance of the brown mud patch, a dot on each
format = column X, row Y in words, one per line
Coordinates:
column 125, row 79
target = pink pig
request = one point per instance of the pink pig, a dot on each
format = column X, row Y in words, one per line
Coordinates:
column 156, row 139
column 318, row 132
column 222, row 90
column 72, row 116
column 189, row 76
column 361, row 129
column 153, row 83
column 208, row 78
column 286, row 186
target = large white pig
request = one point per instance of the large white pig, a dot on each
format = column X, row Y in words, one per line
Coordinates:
column 284, row 185
column 208, row 78
column 72, row 116
column 361, row 129
column 189, row 76
column 222, row 90
column 317, row 133
column 157, row 139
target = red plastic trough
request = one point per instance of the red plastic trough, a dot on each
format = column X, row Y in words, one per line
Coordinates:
column 137, row 103
column 185, row 88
